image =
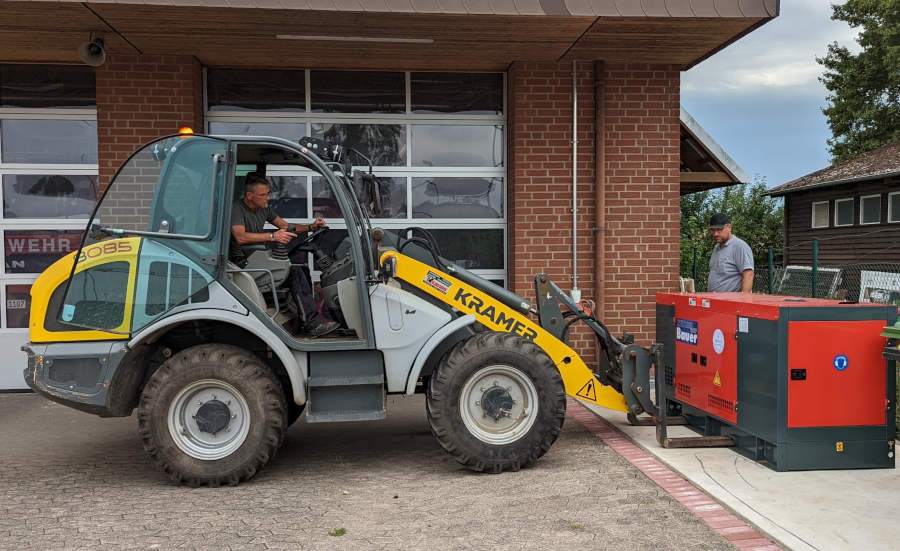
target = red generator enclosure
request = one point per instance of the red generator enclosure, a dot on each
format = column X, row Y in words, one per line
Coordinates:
column 798, row 383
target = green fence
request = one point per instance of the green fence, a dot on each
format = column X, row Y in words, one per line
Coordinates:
column 863, row 281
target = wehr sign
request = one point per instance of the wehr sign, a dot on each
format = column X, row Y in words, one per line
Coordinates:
column 31, row 251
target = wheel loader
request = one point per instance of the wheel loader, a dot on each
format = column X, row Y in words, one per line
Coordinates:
column 150, row 315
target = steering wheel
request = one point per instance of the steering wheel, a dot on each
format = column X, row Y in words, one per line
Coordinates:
column 312, row 236
column 298, row 244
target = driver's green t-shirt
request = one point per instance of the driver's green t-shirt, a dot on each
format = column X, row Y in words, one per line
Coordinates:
column 253, row 222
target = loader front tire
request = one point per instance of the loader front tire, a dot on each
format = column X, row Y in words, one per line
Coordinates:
column 212, row 414
column 496, row 402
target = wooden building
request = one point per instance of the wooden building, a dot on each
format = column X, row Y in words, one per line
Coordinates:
column 852, row 209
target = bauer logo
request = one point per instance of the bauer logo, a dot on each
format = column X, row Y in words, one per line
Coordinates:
column 686, row 331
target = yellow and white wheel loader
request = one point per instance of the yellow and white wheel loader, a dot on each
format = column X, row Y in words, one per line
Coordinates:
column 149, row 314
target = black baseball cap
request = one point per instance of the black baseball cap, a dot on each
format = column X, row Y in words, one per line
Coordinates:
column 719, row 220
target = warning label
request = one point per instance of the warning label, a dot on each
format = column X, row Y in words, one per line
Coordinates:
column 717, row 380
column 587, row 391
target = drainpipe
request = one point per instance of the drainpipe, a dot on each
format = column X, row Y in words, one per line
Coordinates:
column 576, row 292
column 600, row 189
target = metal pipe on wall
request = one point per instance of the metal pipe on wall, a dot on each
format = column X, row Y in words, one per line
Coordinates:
column 576, row 292
column 599, row 188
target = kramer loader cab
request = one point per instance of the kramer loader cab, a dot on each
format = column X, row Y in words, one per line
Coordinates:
column 149, row 314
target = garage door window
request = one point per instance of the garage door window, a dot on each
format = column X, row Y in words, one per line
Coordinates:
column 437, row 141
column 48, row 172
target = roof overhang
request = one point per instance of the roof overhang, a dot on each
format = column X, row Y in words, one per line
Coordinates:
column 704, row 163
column 868, row 177
column 383, row 34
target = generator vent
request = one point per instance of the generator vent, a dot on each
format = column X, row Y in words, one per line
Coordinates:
column 670, row 375
column 683, row 390
column 716, row 402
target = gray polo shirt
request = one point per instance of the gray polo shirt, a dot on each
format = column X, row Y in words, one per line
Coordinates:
column 727, row 263
column 253, row 222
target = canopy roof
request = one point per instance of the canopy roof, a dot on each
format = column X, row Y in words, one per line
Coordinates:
column 474, row 35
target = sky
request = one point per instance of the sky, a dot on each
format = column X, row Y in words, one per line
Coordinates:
column 760, row 97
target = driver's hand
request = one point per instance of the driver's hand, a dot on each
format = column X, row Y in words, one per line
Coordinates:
column 317, row 223
column 284, row 236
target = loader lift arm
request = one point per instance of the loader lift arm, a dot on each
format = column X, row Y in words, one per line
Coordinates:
column 579, row 381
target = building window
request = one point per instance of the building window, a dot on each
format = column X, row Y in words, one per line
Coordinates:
column 843, row 212
column 870, row 209
column 48, row 174
column 820, row 214
column 894, row 207
column 437, row 141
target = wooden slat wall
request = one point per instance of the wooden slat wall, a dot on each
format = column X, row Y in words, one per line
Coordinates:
column 846, row 244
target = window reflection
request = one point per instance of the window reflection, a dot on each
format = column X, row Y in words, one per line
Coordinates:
column 49, row 141
column 256, row 90
column 457, row 145
column 457, row 197
column 288, row 196
column 48, row 196
column 47, row 86
column 462, row 93
column 384, row 144
column 18, row 305
column 288, row 131
column 384, row 198
column 357, row 91
column 32, row 251
column 471, row 249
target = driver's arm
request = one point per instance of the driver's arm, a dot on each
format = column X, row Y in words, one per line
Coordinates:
column 244, row 237
column 299, row 228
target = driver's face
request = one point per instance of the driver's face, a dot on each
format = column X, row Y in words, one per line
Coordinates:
column 259, row 197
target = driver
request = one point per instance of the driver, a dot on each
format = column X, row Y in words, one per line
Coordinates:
column 248, row 217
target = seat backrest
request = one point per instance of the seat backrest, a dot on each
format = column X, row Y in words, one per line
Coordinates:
column 245, row 282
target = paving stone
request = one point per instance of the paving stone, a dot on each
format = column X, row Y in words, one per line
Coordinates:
column 72, row 480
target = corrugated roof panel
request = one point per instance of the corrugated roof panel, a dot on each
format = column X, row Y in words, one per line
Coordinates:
column 704, row 8
column 680, row 8
column 655, row 8
column 729, row 8
column 605, row 8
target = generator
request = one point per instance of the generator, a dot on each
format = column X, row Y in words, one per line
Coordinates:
column 796, row 383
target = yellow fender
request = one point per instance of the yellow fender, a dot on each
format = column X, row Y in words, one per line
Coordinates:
column 577, row 377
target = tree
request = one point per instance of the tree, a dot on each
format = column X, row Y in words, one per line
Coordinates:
column 755, row 217
column 864, row 89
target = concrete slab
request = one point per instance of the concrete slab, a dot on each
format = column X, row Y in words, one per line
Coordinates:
column 802, row 511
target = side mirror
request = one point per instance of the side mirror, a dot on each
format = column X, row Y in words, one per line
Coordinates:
column 388, row 269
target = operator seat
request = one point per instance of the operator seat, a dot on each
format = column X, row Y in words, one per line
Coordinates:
column 247, row 284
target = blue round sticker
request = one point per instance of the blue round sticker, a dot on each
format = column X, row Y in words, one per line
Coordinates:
column 841, row 362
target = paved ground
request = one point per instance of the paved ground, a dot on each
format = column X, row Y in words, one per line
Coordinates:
column 72, row 480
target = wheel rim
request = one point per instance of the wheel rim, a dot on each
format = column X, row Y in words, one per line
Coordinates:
column 498, row 404
column 196, row 421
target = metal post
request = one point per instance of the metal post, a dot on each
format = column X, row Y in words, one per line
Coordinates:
column 771, row 271
column 815, row 267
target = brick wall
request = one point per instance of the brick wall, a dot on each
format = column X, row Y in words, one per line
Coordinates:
column 642, row 189
column 143, row 97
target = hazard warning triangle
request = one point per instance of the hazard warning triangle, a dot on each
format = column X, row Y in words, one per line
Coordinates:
column 717, row 381
column 587, row 391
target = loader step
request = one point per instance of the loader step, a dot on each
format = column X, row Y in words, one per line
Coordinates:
column 345, row 380
column 345, row 416
column 345, row 386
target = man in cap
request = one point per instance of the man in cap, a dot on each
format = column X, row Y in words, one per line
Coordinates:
column 731, row 263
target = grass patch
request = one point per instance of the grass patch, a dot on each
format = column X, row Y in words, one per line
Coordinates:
column 338, row 532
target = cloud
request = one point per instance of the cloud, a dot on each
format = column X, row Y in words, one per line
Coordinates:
column 778, row 58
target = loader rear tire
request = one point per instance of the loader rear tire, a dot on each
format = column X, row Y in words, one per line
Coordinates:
column 212, row 414
column 496, row 402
